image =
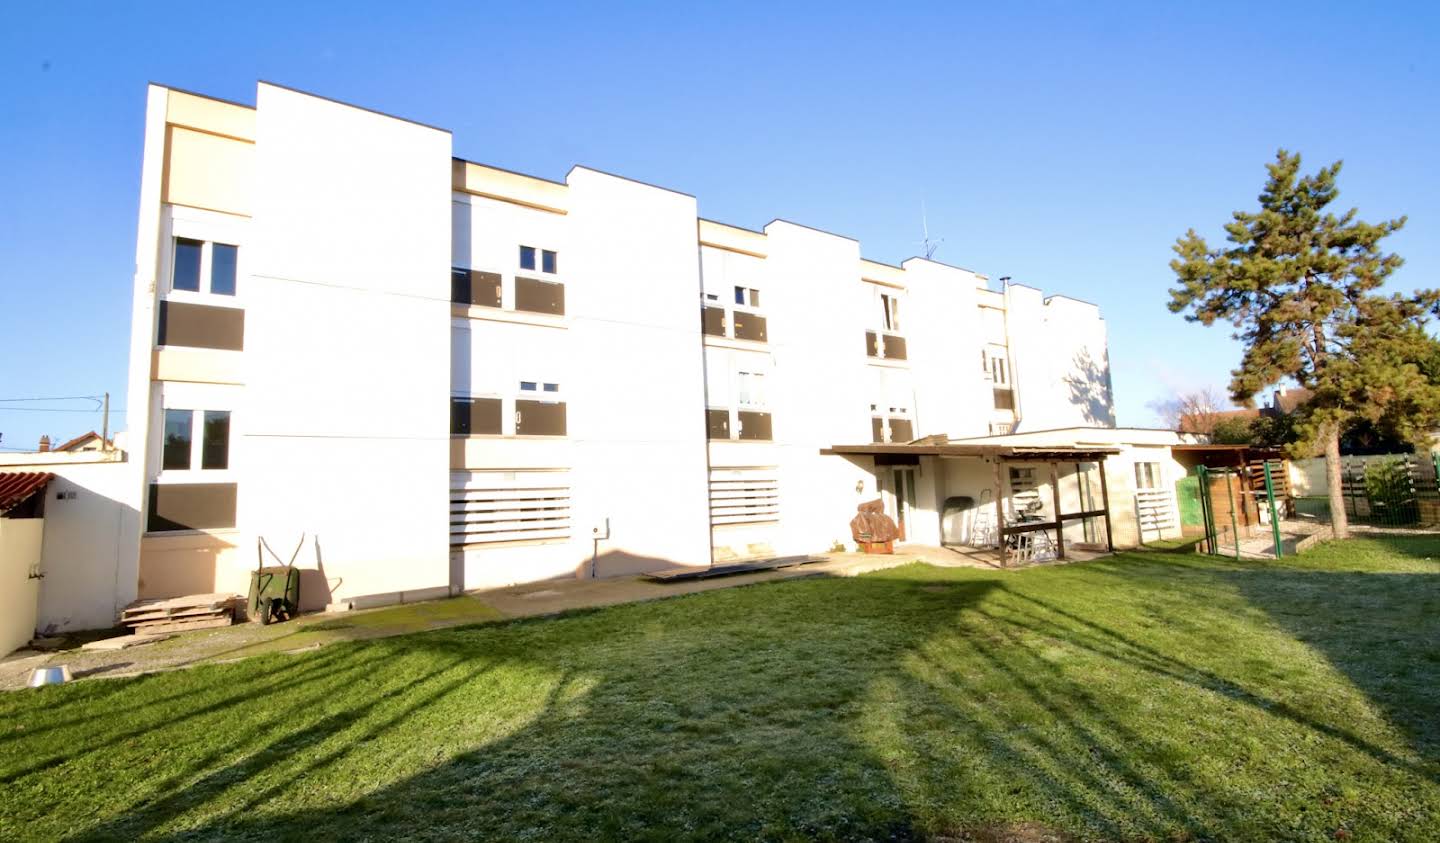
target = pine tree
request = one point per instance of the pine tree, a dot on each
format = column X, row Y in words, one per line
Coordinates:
column 1301, row 286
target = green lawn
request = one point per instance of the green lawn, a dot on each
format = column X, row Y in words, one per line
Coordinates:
column 1148, row 696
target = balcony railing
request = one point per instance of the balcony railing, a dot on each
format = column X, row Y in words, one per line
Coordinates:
column 884, row 346
column 736, row 324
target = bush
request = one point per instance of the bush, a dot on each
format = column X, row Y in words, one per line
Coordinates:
column 1391, row 492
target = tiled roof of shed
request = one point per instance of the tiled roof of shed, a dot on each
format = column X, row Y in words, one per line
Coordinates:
column 17, row 488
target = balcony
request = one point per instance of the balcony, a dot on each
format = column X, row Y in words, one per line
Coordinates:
column 745, row 425
column 733, row 323
column 884, row 346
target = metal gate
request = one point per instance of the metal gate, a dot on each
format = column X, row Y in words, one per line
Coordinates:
column 1234, row 505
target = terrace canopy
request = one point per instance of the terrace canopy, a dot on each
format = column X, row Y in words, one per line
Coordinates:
column 1000, row 457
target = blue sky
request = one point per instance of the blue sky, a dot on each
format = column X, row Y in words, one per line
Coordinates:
column 1065, row 145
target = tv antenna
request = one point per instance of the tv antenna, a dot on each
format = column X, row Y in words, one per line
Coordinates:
column 931, row 246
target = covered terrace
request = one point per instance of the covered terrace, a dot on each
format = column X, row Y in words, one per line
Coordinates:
column 1010, row 503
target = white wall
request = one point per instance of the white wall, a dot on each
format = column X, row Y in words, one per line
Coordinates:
column 347, row 344
column 817, row 335
column 20, row 540
column 943, row 330
column 89, row 519
column 1062, row 366
column 636, row 412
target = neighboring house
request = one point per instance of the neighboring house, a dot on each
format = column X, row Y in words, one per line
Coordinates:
column 421, row 374
column 89, row 441
column 1283, row 401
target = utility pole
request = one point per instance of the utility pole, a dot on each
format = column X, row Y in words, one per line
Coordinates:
column 105, row 426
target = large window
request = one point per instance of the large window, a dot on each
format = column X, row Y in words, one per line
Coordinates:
column 749, row 419
column 198, row 266
column 884, row 341
column 179, row 451
column 190, row 491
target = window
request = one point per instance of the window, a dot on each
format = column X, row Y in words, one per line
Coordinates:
column 750, row 389
column 884, row 346
column 215, row 443
column 1147, row 475
column 186, row 272
column 178, row 452
column 527, row 257
column 1004, row 398
column 549, row 262
column 189, row 263
column 747, row 296
column 223, row 259
column 999, row 371
column 890, row 307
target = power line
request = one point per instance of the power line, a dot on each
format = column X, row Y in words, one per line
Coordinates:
column 55, row 410
column 55, row 398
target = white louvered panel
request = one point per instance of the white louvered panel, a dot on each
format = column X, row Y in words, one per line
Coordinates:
column 744, row 496
column 498, row 506
column 1155, row 509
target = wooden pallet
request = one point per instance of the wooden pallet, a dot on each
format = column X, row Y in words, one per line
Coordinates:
column 177, row 614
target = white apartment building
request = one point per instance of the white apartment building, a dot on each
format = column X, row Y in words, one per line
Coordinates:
column 424, row 374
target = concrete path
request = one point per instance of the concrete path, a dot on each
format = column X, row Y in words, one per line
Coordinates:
column 531, row 600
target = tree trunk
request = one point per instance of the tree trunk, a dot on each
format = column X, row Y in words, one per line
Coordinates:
column 1339, row 521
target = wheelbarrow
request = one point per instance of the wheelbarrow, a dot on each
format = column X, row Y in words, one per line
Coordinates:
column 274, row 589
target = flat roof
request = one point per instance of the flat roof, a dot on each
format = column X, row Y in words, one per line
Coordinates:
column 1012, row 452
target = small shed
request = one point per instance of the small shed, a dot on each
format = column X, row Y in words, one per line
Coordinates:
column 22, row 530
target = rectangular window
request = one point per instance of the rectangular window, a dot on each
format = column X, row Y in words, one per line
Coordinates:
column 877, row 429
column 549, row 262
column 1147, row 475
column 175, row 456
column 872, row 344
column 223, row 261
column 901, row 430
column 535, row 296
column 186, row 273
column 527, row 257
column 1004, row 398
column 750, row 389
column 894, row 347
column 215, row 445
column 890, row 306
column 998, row 371
column 191, row 506
column 739, row 295
column 475, row 416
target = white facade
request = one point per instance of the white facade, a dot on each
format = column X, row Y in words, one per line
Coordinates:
column 606, row 383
